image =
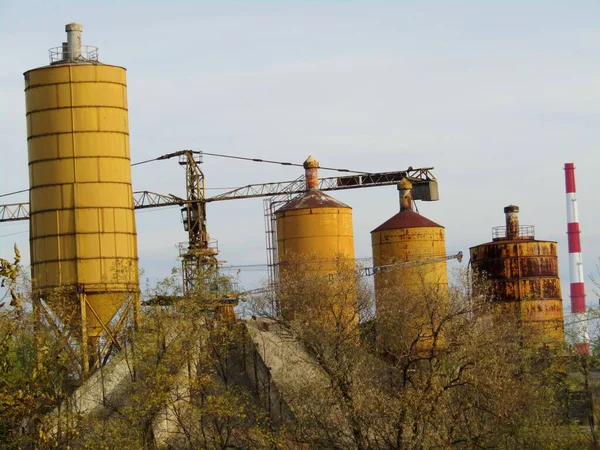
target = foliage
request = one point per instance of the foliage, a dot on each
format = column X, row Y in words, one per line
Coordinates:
column 451, row 373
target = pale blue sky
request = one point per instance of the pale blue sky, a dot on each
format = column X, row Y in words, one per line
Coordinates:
column 496, row 95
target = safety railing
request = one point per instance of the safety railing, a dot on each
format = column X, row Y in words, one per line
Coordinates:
column 60, row 54
column 525, row 232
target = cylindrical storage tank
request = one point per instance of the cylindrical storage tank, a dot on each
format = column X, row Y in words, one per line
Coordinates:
column 82, row 231
column 523, row 279
column 415, row 247
column 315, row 231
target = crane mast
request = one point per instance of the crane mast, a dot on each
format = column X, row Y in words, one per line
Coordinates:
column 198, row 259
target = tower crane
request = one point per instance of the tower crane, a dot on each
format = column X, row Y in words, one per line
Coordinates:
column 198, row 254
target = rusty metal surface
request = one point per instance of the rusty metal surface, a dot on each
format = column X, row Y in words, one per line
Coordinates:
column 406, row 219
column 313, row 199
column 405, row 190
column 311, row 174
column 523, row 277
column 512, row 221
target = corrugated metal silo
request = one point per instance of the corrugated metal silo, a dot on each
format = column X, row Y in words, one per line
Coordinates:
column 409, row 238
column 83, row 233
column 314, row 226
column 523, row 276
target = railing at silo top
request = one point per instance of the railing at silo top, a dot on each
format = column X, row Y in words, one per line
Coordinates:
column 526, row 232
column 89, row 53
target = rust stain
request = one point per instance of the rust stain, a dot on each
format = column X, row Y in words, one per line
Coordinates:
column 407, row 219
column 524, row 279
column 312, row 199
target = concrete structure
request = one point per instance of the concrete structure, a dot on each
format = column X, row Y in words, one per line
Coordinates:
column 523, row 277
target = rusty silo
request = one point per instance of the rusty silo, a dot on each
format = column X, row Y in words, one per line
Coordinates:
column 523, row 277
column 82, row 231
column 315, row 230
column 409, row 238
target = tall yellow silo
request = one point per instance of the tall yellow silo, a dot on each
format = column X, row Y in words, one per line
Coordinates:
column 314, row 232
column 416, row 247
column 82, row 230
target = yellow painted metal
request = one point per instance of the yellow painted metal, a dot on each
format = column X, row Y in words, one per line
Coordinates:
column 411, row 244
column 400, row 294
column 317, row 227
column 323, row 232
column 523, row 276
column 83, row 233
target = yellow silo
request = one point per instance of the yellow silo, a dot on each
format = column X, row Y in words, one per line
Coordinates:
column 83, row 234
column 416, row 248
column 314, row 232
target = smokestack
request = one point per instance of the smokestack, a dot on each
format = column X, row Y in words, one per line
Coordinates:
column 311, row 173
column 73, row 41
column 406, row 200
column 511, row 213
column 577, row 287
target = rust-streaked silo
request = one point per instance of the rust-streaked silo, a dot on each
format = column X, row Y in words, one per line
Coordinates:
column 315, row 231
column 83, row 234
column 523, row 277
column 401, row 293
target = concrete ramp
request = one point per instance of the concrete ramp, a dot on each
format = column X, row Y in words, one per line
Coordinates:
column 283, row 369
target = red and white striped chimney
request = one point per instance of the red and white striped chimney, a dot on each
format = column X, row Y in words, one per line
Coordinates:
column 578, row 323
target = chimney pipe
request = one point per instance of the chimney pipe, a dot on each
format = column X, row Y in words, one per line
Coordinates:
column 512, row 221
column 406, row 200
column 311, row 173
column 73, row 41
column 578, row 321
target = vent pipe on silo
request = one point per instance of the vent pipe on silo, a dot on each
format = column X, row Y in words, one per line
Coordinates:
column 311, row 173
column 73, row 41
column 511, row 213
column 406, row 200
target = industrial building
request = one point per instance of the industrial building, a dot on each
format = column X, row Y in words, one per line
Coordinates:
column 83, row 234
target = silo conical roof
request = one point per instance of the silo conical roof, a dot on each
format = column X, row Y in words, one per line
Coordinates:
column 406, row 219
column 312, row 199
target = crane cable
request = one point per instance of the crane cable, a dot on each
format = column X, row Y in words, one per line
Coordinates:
column 282, row 163
column 244, row 158
column 15, row 192
column 219, row 155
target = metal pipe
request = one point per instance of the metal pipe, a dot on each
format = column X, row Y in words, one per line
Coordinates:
column 577, row 288
column 73, row 40
column 311, row 173
column 406, row 200
column 512, row 221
